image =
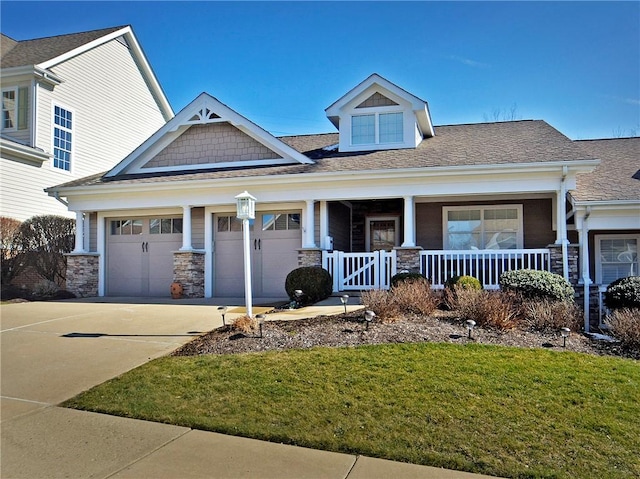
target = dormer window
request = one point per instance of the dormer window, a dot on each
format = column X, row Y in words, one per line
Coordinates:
column 377, row 128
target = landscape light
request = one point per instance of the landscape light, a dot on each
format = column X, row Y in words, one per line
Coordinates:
column 260, row 318
column 565, row 334
column 470, row 323
column 368, row 317
column 223, row 311
column 344, row 299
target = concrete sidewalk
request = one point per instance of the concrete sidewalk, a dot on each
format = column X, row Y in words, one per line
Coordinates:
column 52, row 351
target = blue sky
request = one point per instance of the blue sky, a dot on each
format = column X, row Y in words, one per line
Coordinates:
column 574, row 64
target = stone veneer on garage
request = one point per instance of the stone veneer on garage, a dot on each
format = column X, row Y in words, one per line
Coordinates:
column 82, row 274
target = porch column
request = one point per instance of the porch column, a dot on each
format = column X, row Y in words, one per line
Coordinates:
column 409, row 222
column 87, row 232
column 308, row 240
column 324, row 225
column 186, row 229
column 561, row 222
column 79, row 246
column 583, row 241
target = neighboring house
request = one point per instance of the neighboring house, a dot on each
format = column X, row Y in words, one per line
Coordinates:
column 72, row 105
column 388, row 192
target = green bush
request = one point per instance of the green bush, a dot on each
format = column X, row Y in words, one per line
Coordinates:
column 623, row 293
column 314, row 281
column 466, row 282
column 534, row 284
column 407, row 276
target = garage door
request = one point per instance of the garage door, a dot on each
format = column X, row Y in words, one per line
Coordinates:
column 140, row 255
column 274, row 240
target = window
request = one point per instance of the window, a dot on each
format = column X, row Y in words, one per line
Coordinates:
column 377, row 128
column 62, row 135
column 126, row 227
column 231, row 223
column 363, row 129
column 483, row 227
column 280, row 221
column 165, row 226
column 616, row 257
column 9, row 109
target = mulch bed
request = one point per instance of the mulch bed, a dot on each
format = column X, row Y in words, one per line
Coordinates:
column 349, row 329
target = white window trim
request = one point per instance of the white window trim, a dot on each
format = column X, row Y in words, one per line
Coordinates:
column 371, row 219
column 376, row 124
column 73, row 136
column 15, row 109
column 445, row 216
column 597, row 239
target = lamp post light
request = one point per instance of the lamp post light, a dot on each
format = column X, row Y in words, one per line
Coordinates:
column 223, row 311
column 470, row 323
column 368, row 317
column 246, row 210
column 344, row 299
column 565, row 334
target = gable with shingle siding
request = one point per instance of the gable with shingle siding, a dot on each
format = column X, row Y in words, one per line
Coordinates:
column 211, row 143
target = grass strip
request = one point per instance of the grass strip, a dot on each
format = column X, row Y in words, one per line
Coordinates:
column 501, row 411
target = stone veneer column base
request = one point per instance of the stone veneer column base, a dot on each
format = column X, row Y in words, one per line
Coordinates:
column 408, row 259
column 309, row 257
column 82, row 274
column 188, row 270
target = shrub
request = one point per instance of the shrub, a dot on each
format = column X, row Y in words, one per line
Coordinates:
column 624, row 324
column 45, row 240
column 11, row 258
column 546, row 315
column 534, row 284
column 315, row 283
column 407, row 276
column 467, row 282
column 623, row 293
column 414, row 296
column 450, row 296
column 494, row 309
column 381, row 303
column 245, row 323
column 45, row 289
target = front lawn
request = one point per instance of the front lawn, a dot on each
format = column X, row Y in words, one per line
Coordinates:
column 495, row 410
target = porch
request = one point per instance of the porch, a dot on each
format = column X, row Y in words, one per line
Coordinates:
column 374, row 270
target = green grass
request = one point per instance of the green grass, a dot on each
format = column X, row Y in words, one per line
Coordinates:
column 500, row 411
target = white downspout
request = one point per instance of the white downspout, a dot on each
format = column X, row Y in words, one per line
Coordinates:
column 34, row 110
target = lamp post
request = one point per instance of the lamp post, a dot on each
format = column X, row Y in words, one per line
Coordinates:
column 246, row 210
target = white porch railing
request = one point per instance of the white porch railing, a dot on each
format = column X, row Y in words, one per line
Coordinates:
column 485, row 265
column 360, row 271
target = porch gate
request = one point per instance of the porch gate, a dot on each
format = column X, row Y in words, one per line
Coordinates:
column 360, row 271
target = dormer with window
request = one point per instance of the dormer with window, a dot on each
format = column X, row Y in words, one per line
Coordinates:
column 378, row 115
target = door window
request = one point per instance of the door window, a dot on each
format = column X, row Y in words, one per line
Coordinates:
column 382, row 234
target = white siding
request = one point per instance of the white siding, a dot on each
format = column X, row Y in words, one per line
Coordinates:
column 114, row 111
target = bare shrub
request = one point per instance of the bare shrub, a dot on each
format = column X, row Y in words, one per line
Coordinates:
column 245, row 323
column 11, row 258
column 381, row 302
column 45, row 289
column 624, row 325
column 417, row 297
column 548, row 315
column 494, row 309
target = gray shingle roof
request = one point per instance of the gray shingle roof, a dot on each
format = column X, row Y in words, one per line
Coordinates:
column 613, row 179
column 518, row 142
column 33, row 52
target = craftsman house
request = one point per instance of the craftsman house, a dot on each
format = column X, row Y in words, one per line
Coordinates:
column 387, row 192
column 72, row 106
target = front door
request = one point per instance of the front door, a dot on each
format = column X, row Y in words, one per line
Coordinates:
column 382, row 233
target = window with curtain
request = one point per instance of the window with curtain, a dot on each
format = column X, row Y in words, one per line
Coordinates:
column 483, row 227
